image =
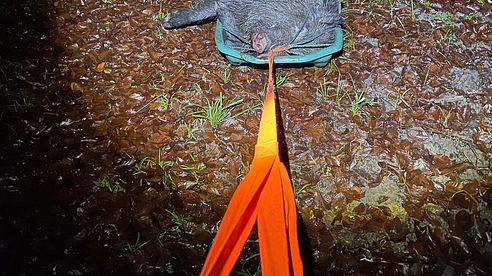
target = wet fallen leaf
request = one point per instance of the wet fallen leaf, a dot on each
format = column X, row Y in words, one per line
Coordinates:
column 473, row 187
column 154, row 56
column 101, row 67
column 75, row 86
column 464, row 200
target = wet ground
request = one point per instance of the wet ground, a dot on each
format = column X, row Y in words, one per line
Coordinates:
column 108, row 167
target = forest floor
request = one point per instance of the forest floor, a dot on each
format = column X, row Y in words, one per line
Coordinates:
column 108, row 167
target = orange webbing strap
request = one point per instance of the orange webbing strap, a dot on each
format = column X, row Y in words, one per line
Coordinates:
column 265, row 194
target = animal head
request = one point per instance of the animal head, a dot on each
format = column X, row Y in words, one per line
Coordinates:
column 260, row 42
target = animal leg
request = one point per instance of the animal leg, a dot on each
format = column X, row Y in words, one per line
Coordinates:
column 203, row 11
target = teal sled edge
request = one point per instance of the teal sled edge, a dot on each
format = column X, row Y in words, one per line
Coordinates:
column 320, row 57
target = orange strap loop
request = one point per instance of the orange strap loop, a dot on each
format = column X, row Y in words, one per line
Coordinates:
column 265, row 195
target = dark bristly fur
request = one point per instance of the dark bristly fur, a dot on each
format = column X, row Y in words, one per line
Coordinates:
column 279, row 22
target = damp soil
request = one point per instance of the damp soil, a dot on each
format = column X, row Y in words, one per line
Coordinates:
column 107, row 167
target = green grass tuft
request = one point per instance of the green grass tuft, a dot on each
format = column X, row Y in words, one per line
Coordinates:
column 105, row 183
column 216, row 112
column 137, row 245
